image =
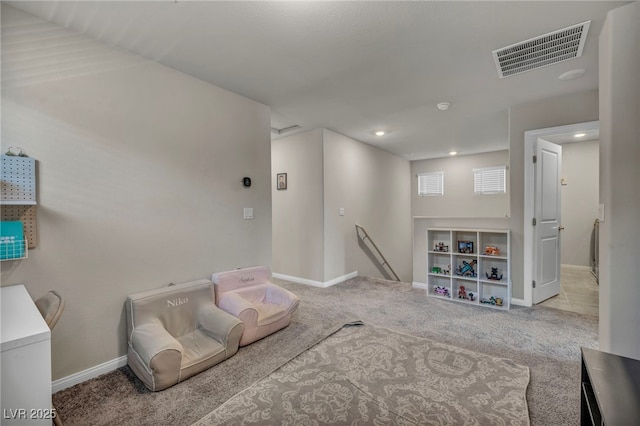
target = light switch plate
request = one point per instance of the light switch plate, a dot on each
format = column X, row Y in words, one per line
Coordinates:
column 341, row 211
column 248, row 213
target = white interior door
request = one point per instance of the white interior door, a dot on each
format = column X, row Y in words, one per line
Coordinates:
column 546, row 270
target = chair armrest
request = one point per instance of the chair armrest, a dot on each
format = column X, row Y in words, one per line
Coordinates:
column 239, row 307
column 282, row 297
column 221, row 326
column 149, row 339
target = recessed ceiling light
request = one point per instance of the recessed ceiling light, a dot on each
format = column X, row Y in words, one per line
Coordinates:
column 579, row 135
column 380, row 133
column 408, row 154
column 453, row 152
column 443, row 106
column 573, row 74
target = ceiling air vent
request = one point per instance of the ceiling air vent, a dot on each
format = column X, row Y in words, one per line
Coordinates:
column 541, row 51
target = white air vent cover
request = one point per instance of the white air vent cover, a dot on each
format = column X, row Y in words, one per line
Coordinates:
column 541, row 51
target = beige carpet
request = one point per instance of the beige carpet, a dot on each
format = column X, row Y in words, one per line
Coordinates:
column 545, row 340
column 369, row 375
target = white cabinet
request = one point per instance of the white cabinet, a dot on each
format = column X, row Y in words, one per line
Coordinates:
column 470, row 266
column 25, row 361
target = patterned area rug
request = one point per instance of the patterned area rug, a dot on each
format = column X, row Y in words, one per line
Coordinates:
column 368, row 375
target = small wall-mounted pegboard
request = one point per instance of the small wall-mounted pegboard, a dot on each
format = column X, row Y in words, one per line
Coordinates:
column 26, row 215
column 18, row 176
column 18, row 193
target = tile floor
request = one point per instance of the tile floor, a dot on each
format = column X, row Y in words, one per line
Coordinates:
column 578, row 291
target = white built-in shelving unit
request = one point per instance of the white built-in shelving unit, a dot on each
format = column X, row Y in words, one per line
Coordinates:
column 450, row 255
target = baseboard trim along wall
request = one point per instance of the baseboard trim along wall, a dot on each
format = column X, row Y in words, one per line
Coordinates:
column 316, row 283
column 519, row 302
column 89, row 373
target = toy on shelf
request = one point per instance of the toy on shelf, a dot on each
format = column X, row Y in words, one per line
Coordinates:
column 466, row 269
column 465, row 247
column 494, row 275
column 442, row 291
column 492, row 251
column 462, row 292
column 441, row 247
column 436, row 270
column 496, row 301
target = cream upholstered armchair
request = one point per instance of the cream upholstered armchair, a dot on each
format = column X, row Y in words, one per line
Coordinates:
column 248, row 294
column 178, row 331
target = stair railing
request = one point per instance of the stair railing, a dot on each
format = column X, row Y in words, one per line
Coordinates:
column 383, row 263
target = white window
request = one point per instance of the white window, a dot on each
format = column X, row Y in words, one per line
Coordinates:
column 431, row 183
column 490, row 180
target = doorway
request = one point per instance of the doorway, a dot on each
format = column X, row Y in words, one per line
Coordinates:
column 579, row 292
column 558, row 135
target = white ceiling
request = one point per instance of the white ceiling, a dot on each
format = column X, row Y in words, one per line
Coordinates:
column 354, row 67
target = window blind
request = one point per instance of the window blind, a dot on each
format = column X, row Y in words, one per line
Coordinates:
column 430, row 184
column 490, row 180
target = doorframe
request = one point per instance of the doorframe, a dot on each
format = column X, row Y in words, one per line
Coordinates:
column 530, row 138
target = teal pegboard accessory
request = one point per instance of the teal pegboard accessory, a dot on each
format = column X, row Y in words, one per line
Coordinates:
column 13, row 244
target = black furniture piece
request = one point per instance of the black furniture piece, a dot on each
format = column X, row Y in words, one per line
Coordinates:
column 610, row 392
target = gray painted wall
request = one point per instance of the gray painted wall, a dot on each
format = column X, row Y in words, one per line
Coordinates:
column 139, row 181
column 298, row 216
column 620, row 182
column 580, row 199
column 328, row 171
column 459, row 199
column 557, row 111
column 373, row 187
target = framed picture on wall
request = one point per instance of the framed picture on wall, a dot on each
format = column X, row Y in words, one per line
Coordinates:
column 281, row 181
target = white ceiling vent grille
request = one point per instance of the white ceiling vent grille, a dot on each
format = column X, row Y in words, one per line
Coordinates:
column 541, row 51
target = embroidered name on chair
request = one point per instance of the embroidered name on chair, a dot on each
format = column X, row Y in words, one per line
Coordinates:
column 247, row 279
column 177, row 302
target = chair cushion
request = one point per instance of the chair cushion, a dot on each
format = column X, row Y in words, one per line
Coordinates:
column 269, row 312
column 199, row 348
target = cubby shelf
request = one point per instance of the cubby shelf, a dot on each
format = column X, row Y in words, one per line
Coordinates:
column 463, row 271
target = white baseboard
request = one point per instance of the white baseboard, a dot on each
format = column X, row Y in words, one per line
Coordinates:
column 417, row 284
column 518, row 302
column 580, row 267
column 89, row 373
column 316, row 283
